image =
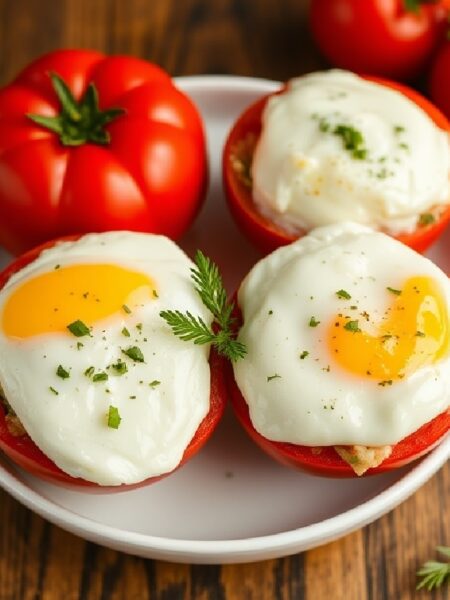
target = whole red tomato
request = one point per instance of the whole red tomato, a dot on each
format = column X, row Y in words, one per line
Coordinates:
column 21, row 449
column 327, row 462
column 94, row 143
column 392, row 38
column 267, row 235
column 440, row 79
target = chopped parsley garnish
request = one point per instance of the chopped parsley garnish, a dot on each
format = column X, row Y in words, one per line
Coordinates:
column 343, row 294
column 313, row 322
column 304, row 354
column 394, row 291
column 114, row 417
column 61, row 372
column 270, row 312
column 79, row 345
column 352, row 326
column 155, row 294
column 399, row 129
column 134, row 353
column 420, row 334
column 52, row 389
column 404, row 146
column 89, row 371
column 78, row 328
column 139, row 326
column 426, row 219
column 126, row 309
column 57, row 267
column 154, row 383
column 352, row 139
column 102, row 376
column 120, row 368
column 385, row 382
column 125, row 332
column 275, row 376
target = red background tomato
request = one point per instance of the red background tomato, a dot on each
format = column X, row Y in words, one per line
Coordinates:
column 264, row 233
column 380, row 37
column 440, row 79
column 151, row 176
column 24, row 452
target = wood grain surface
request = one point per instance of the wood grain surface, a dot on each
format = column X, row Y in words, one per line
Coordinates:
column 265, row 38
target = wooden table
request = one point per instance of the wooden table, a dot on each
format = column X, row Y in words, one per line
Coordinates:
column 264, row 38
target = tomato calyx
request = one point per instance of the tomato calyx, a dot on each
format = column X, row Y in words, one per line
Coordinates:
column 414, row 6
column 80, row 121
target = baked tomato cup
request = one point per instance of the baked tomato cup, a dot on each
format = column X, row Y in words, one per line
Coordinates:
column 333, row 146
column 96, row 392
column 347, row 370
column 90, row 142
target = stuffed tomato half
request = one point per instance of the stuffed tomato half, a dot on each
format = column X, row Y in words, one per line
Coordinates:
column 334, row 146
column 96, row 392
column 348, row 352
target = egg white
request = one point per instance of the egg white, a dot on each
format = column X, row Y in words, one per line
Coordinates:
column 313, row 401
column 159, row 420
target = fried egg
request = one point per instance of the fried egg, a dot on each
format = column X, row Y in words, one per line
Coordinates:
column 348, row 340
column 94, row 374
column 335, row 147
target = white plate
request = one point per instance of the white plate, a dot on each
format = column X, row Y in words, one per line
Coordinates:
column 230, row 503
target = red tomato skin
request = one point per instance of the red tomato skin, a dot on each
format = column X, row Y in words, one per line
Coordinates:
column 262, row 232
column 439, row 85
column 378, row 36
column 327, row 463
column 152, row 176
column 25, row 454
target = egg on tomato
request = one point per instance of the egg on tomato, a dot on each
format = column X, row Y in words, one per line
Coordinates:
column 92, row 372
column 348, row 340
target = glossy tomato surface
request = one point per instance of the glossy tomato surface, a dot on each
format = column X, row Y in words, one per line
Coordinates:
column 266, row 235
column 325, row 461
column 392, row 38
column 24, row 452
column 143, row 169
column 440, row 79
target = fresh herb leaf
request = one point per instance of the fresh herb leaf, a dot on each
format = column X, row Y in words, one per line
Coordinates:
column 426, row 219
column 433, row 573
column 114, row 417
column 78, row 328
column 313, row 322
column 394, row 291
column 125, row 332
column 102, row 376
column 89, row 371
column 304, row 354
column 154, row 383
column 134, row 353
column 209, row 286
column 79, row 345
column 61, row 372
column 352, row 326
column 343, row 294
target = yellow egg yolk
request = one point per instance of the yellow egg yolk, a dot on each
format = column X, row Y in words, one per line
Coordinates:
column 413, row 332
column 50, row 302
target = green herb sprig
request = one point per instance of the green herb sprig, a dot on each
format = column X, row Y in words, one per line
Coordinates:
column 434, row 573
column 209, row 286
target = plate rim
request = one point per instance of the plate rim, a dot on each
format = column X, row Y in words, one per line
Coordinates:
column 240, row 549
